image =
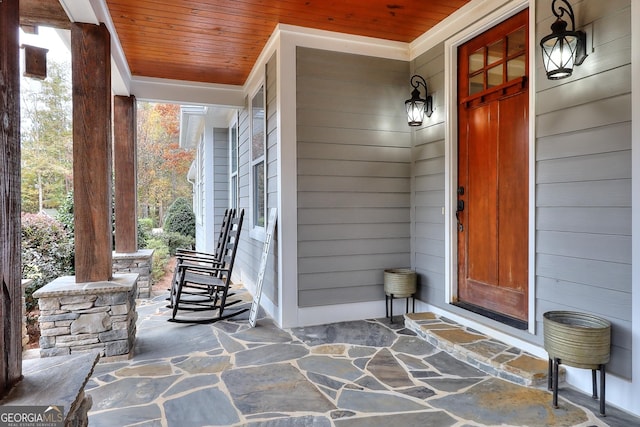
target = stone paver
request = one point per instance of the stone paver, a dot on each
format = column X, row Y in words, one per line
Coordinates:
column 364, row 373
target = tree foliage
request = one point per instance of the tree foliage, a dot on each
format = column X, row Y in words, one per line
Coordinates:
column 46, row 139
column 162, row 164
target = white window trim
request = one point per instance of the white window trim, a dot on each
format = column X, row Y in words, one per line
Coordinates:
column 257, row 232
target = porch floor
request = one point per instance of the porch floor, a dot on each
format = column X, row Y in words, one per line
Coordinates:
column 362, row 373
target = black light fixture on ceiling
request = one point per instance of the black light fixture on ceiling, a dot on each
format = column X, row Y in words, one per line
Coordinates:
column 417, row 107
column 563, row 49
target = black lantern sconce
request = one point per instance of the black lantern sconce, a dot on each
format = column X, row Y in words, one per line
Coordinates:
column 418, row 107
column 563, row 49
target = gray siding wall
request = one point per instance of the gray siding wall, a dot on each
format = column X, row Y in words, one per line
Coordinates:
column 353, row 147
column 428, row 155
column 583, row 180
column 583, row 185
column 250, row 249
column 270, row 286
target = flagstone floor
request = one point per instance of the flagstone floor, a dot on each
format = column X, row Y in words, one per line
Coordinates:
column 363, row 373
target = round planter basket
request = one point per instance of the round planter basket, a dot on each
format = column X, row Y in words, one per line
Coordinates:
column 578, row 339
column 400, row 282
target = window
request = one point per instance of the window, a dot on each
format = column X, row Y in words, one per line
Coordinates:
column 498, row 62
column 233, row 164
column 258, row 156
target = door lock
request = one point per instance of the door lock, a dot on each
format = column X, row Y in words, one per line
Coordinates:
column 459, row 209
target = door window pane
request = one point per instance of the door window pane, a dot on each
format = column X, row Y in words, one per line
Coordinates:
column 476, row 84
column 494, row 76
column 516, row 42
column 476, row 60
column 494, row 52
column 516, row 67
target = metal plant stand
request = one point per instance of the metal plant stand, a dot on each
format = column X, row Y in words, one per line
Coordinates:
column 579, row 340
column 399, row 283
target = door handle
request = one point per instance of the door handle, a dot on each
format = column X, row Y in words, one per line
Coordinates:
column 459, row 209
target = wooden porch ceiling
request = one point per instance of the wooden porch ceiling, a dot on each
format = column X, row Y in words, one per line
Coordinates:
column 218, row 41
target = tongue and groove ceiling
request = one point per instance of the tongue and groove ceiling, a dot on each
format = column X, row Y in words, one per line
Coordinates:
column 218, row 41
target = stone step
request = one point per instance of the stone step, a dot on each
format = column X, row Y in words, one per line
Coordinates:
column 481, row 351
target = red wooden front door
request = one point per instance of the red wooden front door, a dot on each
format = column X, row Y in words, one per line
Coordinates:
column 493, row 150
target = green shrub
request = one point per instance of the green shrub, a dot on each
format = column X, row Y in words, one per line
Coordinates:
column 175, row 240
column 65, row 213
column 160, row 257
column 145, row 227
column 180, row 218
column 47, row 252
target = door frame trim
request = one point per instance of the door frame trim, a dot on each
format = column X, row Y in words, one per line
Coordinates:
column 451, row 146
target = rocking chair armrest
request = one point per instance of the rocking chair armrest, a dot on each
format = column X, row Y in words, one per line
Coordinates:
column 193, row 258
column 194, row 254
column 204, row 269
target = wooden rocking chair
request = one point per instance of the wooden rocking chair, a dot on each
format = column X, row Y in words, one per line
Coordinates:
column 198, row 258
column 202, row 288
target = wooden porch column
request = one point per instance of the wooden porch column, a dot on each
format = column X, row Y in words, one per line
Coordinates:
column 11, row 289
column 91, row 77
column 126, row 166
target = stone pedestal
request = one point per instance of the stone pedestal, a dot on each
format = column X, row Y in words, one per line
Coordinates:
column 97, row 317
column 140, row 262
column 57, row 381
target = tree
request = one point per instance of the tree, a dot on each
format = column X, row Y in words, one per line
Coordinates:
column 162, row 164
column 47, row 139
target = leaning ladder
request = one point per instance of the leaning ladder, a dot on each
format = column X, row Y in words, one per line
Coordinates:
column 255, row 307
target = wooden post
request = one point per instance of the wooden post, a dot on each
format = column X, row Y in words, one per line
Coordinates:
column 92, row 154
column 125, row 162
column 11, row 289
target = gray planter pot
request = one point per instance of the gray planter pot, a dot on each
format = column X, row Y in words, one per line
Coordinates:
column 578, row 339
column 399, row 282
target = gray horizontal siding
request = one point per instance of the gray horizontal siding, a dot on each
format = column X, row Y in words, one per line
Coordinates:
column 428, row 168
column 583, row 181
column 354, row 175
column 270, row 286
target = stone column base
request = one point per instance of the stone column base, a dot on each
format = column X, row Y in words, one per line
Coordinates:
column 140, row 262
column 97, row 317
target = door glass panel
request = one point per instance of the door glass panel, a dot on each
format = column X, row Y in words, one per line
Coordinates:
column 495, row 52
column 476, row 84
column 494, row 76
column 516, row 67
column 516, row 42
column 476, row 60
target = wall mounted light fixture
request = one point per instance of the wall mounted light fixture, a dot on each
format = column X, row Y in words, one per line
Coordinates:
column 563, row 49
column 418, row 107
